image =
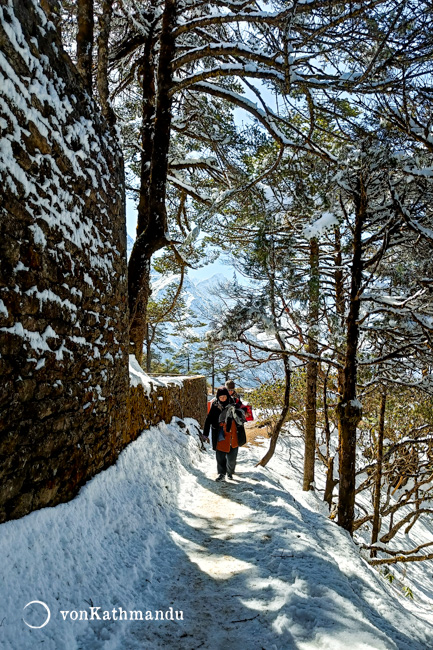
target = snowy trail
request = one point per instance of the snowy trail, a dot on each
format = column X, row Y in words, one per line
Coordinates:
column 251, row 564
column 248, row 568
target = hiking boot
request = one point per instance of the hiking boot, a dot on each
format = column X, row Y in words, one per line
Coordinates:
column 219, row 477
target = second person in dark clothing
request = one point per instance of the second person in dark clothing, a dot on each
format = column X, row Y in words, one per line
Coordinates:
column 228, row 433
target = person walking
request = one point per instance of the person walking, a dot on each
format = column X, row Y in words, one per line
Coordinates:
column 230, row 385
column 228, row 433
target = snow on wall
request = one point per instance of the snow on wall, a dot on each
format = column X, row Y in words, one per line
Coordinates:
column 63, row 293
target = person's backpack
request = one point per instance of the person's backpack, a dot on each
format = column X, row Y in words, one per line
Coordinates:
column 249, row 413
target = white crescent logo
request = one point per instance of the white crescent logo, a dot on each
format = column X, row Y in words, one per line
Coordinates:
column 38, row 602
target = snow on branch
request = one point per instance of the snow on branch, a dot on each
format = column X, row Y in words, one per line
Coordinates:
column 189, row 189
column 401, row 558
column 264, row 17
column 226, row 49
column 267, row 119
column 227, row 70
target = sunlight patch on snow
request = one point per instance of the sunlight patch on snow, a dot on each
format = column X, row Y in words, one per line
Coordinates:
column 220, row 567
column 268, row 602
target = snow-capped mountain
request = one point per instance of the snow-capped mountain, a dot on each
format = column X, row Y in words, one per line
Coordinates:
column 201, row 297
column 200, row 303
column 203, row 305
column 129, row 245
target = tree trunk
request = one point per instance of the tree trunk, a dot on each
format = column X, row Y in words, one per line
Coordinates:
column 312, row 368
column 279, row 424
column 139, row 289
column 152, row 215
column 378, row 477
column 102, row 74
column 348, row 409
column 148, row 349
column 137, row 328
column 339, row 304
column 330, row 481
column 85, row 41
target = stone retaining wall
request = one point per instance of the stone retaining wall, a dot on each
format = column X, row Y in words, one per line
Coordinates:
column 178, row 396
column 63, row 291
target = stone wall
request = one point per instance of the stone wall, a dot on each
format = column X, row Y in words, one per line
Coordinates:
column 63, row 292
column 162, row 398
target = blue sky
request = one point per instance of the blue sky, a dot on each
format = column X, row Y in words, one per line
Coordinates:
column 195, row 274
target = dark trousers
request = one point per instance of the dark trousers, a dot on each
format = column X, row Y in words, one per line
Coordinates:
column 226, row 462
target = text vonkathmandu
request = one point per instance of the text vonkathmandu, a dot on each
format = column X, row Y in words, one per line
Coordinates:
column 120, row 614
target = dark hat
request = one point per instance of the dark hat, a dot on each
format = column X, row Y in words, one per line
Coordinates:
column 222, row 391
column 230, row 384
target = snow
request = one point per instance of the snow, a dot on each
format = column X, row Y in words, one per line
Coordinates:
column 3, row 309
column 49, row 296
column 38, row 235
column 167, row 380
column 254, row 563
column 36, row 340
column 138, row 377
column 51, row 201
column 327, row 220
